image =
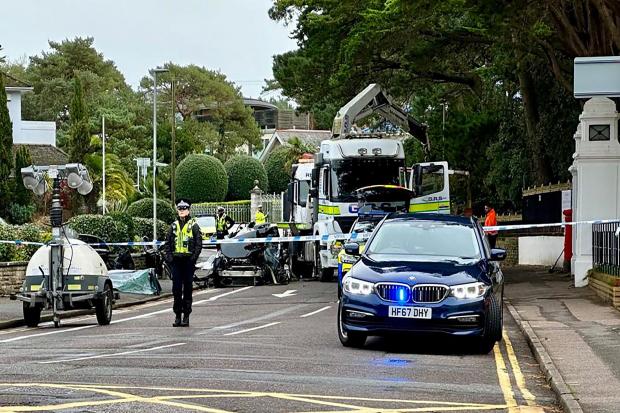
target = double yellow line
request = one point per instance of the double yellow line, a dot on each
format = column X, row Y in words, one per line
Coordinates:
column 504, row 378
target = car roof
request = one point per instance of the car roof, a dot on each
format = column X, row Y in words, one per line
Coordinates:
column 454, row 219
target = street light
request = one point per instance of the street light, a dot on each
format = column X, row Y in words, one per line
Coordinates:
column 154, row 73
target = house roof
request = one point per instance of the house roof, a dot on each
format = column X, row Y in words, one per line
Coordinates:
column 44, row 154
column 309, row 137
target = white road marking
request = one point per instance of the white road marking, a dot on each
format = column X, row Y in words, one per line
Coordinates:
column 71, row 329
column 113, row 354
column 252, row 329
column 315, row 312
column 222, row 295
column 287, row 293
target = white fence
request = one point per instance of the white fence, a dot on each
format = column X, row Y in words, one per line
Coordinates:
column 242, row 213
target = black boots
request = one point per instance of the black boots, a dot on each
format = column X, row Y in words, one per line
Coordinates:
column 185, row 322
column 177, row 321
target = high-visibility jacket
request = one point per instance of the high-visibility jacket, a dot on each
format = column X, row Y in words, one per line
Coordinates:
column 221, row 222
column 491, row 221
column 182, row 236
column 259, row 218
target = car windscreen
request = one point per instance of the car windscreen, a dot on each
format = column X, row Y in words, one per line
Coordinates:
column 206, row 221
column 425, row 238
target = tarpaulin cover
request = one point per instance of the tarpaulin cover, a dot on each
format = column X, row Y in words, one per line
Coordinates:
column 135, row 282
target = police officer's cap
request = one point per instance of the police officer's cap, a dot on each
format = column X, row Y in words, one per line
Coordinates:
column 220, row 209
column 183, row 203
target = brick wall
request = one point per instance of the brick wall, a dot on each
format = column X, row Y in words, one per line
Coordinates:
column 11, row 276
column 511, row 245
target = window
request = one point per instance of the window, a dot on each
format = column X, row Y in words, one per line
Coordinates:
column 600, row 132
column 425, row 238
column 302, row 189
column 432, row 179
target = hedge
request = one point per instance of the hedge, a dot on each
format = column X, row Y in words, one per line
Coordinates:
column 201, row 178
column 28, row 232
column 277, row 175
column 143, row 208
column 242, row 171
column 102, row 226
column 144, row 228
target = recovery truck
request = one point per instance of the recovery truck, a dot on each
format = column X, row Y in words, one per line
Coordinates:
column 321, row 200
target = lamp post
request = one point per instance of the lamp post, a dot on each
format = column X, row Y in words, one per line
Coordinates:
column 103, row 142
column 154, row 72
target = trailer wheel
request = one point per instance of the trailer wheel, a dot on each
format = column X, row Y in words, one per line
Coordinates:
column 32, row 314
column 103, row 306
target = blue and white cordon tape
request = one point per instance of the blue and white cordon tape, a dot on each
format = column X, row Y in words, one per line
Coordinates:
column 321, row 238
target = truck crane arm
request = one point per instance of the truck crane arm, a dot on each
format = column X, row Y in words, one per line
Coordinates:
column 371, row 100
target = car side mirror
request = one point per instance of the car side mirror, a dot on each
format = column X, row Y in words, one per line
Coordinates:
column 352, row 248
column 498, row 254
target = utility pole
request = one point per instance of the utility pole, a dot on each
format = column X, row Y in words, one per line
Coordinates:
column 173, row 160
column 103, row 141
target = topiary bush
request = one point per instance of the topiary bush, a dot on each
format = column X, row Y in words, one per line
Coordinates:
column 242, row 171
column 144, row 228
column 143, row 208
column 277, row 174
column 201, row 178
column 102, row 226
column 127, row 220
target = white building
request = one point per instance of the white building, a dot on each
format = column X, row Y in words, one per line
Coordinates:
column 25, row 131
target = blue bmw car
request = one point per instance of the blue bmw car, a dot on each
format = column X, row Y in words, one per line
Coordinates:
column 424, row 273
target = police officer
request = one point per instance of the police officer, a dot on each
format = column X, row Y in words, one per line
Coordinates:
column 260, row 217
column 222, row 223
column 182, row 249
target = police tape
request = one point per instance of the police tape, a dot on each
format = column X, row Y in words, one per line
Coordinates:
column 320, row 238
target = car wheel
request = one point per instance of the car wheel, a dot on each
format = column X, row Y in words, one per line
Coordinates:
column 492, row 326
column 32, row 314
column 103, row 306
column 349, row 338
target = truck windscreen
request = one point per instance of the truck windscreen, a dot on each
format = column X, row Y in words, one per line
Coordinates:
column 347, row 175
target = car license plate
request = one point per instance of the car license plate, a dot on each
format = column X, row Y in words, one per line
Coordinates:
column 410, row 312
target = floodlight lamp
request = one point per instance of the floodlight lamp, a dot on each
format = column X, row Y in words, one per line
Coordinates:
column 41, row 188
column 74, row 178
column 85, row 188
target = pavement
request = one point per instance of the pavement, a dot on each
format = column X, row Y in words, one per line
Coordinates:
column 11, row 314
column 574, row 335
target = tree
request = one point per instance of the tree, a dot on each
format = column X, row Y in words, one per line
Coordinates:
column 80, row 131
column 23, row 196
column 6, row 152
column 209, row 98
column 279, row 163
column 242, row 171
column 201, row 178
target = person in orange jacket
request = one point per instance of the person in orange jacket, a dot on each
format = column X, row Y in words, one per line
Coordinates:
column 490, row 221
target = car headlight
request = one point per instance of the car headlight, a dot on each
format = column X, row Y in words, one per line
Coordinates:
column 348, row 259
column 358, row 287
column 470, row 290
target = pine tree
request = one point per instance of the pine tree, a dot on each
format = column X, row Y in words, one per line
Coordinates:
column 23, row 159
column 79, row 133
column 6, row 152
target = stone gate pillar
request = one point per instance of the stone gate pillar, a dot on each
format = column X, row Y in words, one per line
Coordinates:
column 255, row 199
column 596, row 177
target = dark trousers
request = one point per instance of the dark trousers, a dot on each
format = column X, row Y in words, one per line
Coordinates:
column 182, row 279
column 492, row 240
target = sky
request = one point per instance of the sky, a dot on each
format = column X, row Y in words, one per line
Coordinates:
column 235, row 37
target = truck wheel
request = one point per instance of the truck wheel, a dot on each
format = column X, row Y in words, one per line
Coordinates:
column 349, row 338
column 103, row 306
column 32, row 314
column 492, row 326
column 324, row 274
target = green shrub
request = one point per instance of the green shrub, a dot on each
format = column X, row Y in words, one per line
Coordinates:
column 278, row 175
column 143, row 208
column 201, row 178
column 102, row 226
column 21, row 214
column 127, row 220
column 144, row 228
column 28, row 232
column 242, row 171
